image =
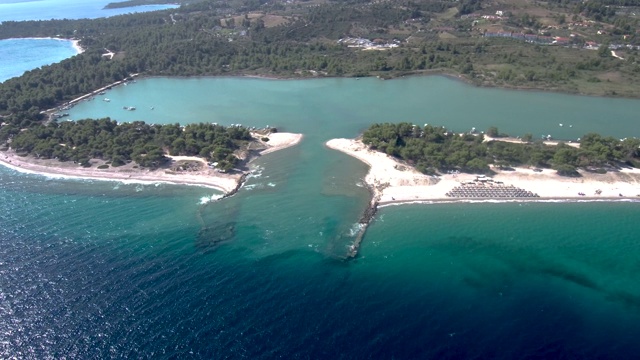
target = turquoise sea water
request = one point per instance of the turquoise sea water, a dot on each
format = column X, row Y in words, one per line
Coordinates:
column 20, row 55
column 327, row 108
column 20, row 10
column 96, row 269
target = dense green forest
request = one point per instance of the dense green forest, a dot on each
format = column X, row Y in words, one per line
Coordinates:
column 267, row 38
column 432, row 149
column 119, row 143
column 300, row 39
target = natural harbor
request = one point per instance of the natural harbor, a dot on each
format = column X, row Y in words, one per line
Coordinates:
column 389, row 216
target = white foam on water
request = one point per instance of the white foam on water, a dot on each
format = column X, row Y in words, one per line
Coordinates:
column 208, row 199
column 256, row 173
column 254, row 186
column 355, row 229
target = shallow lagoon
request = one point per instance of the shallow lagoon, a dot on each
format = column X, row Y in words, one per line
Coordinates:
column 107, row 269
column 344, row 107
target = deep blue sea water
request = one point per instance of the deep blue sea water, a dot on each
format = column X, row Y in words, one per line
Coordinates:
column 95, row 270
column 92, row 269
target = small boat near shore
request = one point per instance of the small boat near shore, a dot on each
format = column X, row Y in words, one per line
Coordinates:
column 129, row 108
column 106, row 99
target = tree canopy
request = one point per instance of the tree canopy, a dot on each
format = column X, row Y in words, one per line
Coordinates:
column 140, row 142
column 432, row 148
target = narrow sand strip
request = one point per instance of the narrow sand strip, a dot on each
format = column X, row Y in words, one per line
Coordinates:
column 278, row 141
column 394, row 182
column 76, row 45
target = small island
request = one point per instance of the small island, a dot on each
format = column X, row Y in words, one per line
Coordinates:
column 208, row 155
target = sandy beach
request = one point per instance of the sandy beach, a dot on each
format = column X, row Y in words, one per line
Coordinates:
column 393, row 182
column 76, row 45
column 173, row 173
column 278, row 141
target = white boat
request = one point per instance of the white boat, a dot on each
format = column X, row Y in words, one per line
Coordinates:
column 106, row 99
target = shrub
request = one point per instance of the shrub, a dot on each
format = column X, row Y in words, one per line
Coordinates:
column 104, row 166
column 567, row 170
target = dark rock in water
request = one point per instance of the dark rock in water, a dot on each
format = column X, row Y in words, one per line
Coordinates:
column 211, row 237
column 243, row 178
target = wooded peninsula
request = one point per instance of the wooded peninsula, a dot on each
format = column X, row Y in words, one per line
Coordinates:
column 118, row 144
column 562, row 46
column 431, row 149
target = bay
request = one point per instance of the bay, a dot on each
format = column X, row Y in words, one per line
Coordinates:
column 350, row 105
column 11, row 10
column 20, row 55
column 104, row 269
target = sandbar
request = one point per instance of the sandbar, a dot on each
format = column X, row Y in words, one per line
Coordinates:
column 278, row 141
column 200, row 176
column 394, row 182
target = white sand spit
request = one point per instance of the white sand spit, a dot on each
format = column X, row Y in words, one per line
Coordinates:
column 393, row 181
column 278, row 141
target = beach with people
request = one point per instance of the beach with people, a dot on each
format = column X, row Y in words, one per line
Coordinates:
column 392, row 181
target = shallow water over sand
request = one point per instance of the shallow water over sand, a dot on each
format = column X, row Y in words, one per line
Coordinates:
column 344, row 107
column 20, row 55
column 96, row 269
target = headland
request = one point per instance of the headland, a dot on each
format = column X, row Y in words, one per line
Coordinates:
column 182, row 170
column 395, row 182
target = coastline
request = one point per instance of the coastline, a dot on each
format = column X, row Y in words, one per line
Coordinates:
column 278, row 141
column 449, row 75
column 393, row 182
column 484, row 85
column 205, row 177
column 75, row 43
